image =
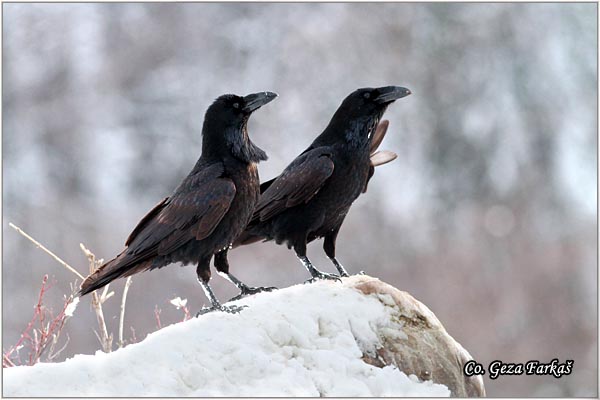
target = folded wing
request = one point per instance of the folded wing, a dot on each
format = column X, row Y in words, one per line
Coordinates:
column 192, row 212
column 297, row 184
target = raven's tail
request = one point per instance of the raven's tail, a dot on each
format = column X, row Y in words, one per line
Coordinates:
column 119, row 267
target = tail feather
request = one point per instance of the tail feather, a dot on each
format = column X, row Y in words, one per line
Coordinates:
column 119, row 267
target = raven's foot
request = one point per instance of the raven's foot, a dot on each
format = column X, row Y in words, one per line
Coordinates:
column 247, row 291
column 339, row 267
column 227, row 309
column 317, row 275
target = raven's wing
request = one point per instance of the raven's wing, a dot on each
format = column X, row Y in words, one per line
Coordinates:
column 297, row 184
column 144, row 221
column 193, row 211
column 265, row 185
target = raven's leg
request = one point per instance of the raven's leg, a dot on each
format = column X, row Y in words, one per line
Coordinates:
column 300, row 249
column 329, row 247
column 222, row 266
column 203, row 271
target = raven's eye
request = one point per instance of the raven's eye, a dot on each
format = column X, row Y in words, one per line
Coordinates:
column 367, row 95
column 236, row 105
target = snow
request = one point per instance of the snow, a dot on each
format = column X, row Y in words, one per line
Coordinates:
column 71, row 307
column 305, row 340
column 178, row 302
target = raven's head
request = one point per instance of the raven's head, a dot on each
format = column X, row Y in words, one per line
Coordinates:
column 226, row 125
column 358, row 115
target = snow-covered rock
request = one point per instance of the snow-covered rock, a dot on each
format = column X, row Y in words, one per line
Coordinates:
column 325, row 339
column 422, row 347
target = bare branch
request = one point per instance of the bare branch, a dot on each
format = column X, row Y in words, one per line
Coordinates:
column 157, row 316
column 122, row 317
column 51, row 254
column 52, row 346
column 98, row 336
column 133, row 338
column 52, row 355
column 103, row 337
column 6, row 362
column 105, row 296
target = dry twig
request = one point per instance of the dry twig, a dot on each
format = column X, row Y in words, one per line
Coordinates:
column 39, row 245
column 122, row 317
column 181, row 304
column 97, row 301
column 38, row 340
column 157, row 316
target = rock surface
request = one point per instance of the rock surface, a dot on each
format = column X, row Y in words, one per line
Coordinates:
column 424, row 349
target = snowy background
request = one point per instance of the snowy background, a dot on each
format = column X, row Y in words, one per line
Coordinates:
column 488, row 216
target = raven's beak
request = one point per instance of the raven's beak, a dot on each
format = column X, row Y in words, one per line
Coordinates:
column 256, row 100
column 389, row 94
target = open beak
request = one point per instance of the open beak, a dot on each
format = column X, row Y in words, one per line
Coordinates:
column 388, row 94
column 256, row 100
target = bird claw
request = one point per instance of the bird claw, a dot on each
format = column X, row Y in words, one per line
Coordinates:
column 247, row 291
column 323, row 275
column 227, row 309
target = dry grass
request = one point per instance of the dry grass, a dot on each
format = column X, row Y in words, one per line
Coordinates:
column 45, row 337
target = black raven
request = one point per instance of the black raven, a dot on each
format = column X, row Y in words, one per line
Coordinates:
column 312, row 196
column 207, row 211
